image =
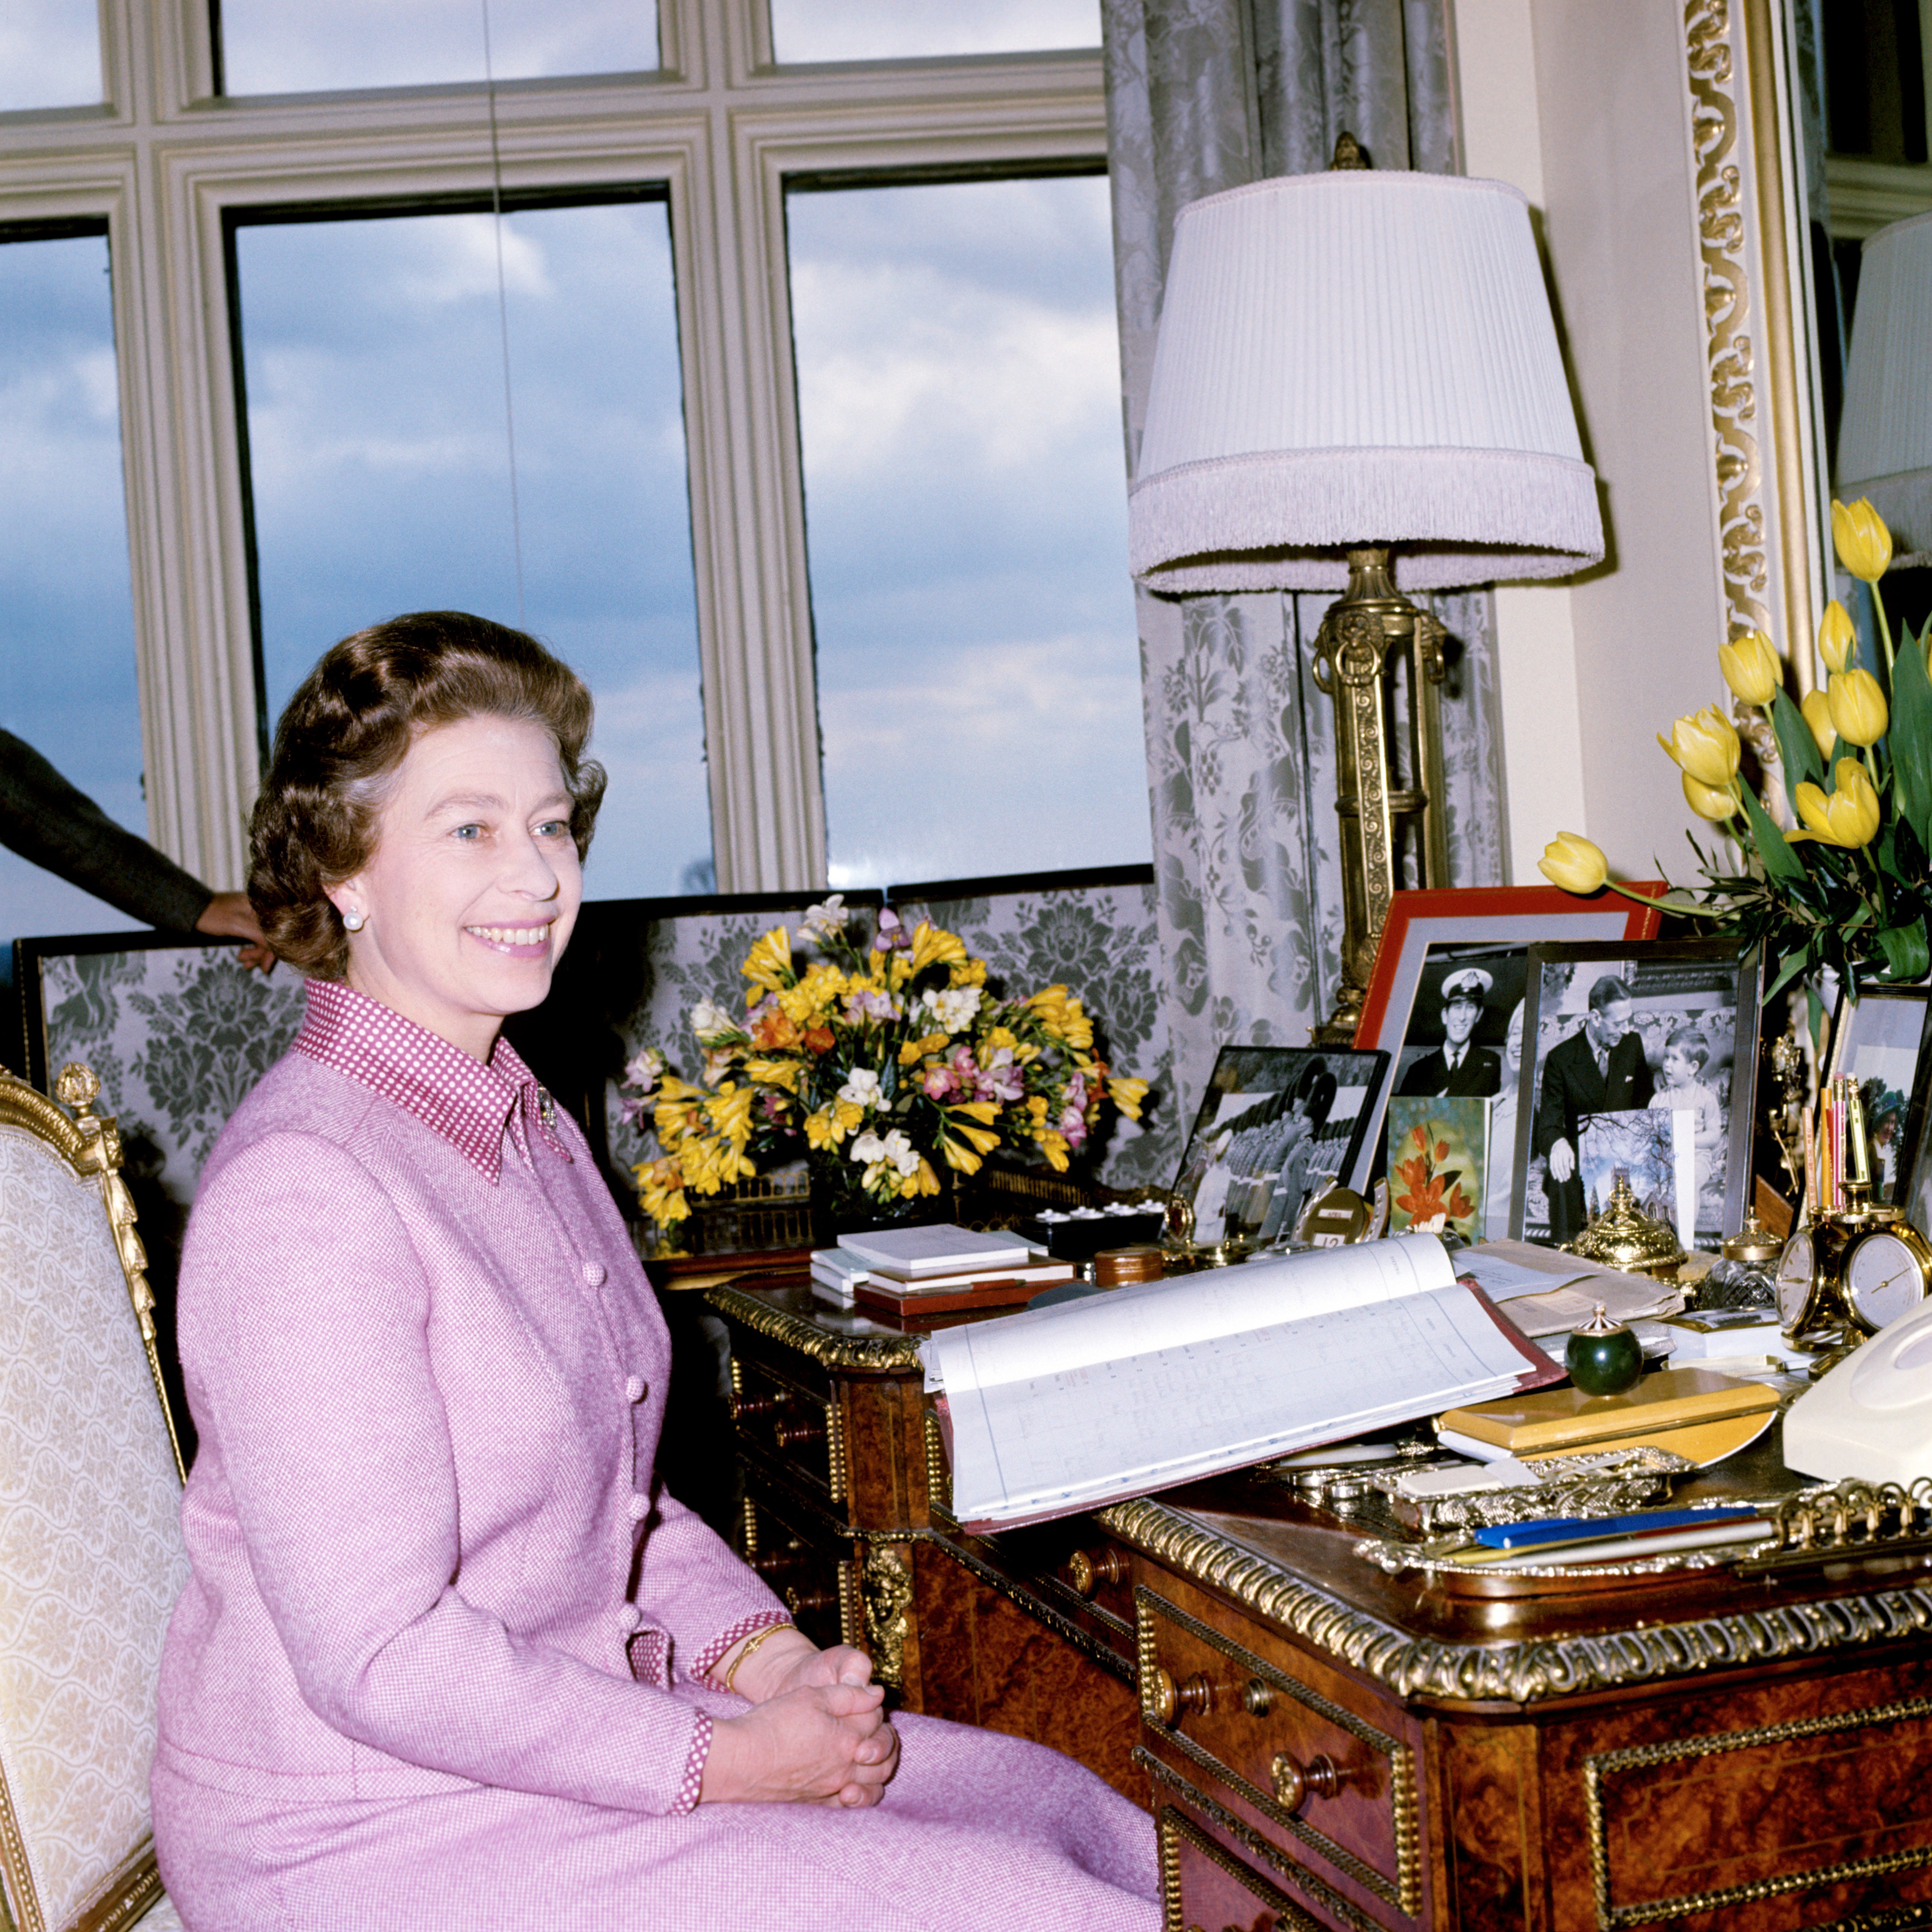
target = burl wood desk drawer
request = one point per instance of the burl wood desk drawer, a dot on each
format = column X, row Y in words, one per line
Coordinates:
column 1268, row 1752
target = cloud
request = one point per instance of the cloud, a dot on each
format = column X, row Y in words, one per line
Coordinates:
column 1020, row 756
column 288, row 46
column 49, row 55
column 808, row 30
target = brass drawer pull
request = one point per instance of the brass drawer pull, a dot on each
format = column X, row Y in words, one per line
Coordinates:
column 802, row 1603
column 1293, row 1783
column 776, row 1562
column 1172, row 1702
column 791, row 1435
column 744, row 1407
column 1087, row 1570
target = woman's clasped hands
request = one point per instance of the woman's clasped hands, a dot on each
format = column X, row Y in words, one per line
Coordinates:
column 816, row 1733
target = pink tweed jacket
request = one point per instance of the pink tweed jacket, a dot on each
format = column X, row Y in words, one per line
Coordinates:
column 440, row 1659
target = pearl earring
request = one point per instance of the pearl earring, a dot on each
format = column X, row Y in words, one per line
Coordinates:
column 355, row 921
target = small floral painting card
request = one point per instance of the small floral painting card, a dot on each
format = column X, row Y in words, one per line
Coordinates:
column 1439, row 1159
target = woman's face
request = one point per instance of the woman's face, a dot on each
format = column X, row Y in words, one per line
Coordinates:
column 473, row 887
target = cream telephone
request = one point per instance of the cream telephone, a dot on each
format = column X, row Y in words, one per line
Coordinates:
column 1871, row 1416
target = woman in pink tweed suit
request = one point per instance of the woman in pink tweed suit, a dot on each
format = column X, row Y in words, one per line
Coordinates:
column 451, row 1657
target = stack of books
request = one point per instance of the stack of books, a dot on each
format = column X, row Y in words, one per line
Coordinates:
column 934, row 1270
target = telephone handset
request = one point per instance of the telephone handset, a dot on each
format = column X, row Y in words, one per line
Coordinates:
column 1871, row 1417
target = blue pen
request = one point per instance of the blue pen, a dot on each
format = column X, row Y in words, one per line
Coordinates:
column 1578, row 1528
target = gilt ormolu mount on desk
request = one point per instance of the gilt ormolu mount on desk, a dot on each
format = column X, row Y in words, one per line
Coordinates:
column 1349, row 1749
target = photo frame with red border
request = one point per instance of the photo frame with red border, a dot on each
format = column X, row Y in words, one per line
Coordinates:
column 1499, row 915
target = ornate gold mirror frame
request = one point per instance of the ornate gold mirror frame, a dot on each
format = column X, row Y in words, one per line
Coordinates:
column 1766, row 424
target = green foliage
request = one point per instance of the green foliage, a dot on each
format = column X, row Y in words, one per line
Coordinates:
column 1861, row 911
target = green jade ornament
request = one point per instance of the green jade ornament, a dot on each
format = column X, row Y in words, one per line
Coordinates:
column 1603, row 1356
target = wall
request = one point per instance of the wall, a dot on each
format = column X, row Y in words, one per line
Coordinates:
column 1582, row 105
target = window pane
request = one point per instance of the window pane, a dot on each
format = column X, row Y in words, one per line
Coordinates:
column 66, row 616
column 378, row 456
column 848, row 30
column 979, row 678
column 49, row 54
column 293, row 46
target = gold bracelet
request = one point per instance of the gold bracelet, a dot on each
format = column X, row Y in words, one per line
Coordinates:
column 758, row 1637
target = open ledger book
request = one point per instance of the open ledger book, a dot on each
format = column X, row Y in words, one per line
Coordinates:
column 1067, row 1408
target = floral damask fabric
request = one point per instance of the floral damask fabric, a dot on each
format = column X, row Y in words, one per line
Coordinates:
column 91, row 1554
column 1204, row 95
column 179, row 1035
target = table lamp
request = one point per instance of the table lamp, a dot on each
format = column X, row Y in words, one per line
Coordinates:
column 1885, row 434
column 1350, row 364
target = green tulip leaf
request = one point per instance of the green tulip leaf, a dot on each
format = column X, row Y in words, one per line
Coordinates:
column 1907, row 957
column 1910, row 740
column 1789, row 969
column 1797, row 749
column 1780, row 862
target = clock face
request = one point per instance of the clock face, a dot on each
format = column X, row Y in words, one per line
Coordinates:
column 1886, row 1275
column 1795, row 1267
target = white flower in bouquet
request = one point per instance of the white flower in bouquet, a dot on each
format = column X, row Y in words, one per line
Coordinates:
column 707, row 1019
column 862, row 1088
column 951, row 1007
column 825, row 920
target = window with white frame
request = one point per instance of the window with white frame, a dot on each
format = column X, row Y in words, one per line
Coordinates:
column 591, row 269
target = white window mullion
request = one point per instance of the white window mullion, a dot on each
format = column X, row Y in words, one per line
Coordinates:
column 768, row 827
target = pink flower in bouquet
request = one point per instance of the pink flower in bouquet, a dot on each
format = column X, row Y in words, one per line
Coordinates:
column 869, row 1002
column 890, row 935
column 1002, row 1079
column 940, row 1083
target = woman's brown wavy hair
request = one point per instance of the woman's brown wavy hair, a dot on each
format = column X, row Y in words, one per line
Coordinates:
column 345, row 734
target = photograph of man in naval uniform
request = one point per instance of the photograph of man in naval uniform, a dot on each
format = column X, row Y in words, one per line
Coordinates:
column 1458, row 1066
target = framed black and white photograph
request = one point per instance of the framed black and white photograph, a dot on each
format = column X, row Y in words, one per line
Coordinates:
column 1465, row 1040
column 1277, row 1125
column 1641, row 1057
column 1422, row 931
column 1880, row 1040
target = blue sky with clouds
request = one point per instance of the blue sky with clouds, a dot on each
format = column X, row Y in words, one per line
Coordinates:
column 979, row 698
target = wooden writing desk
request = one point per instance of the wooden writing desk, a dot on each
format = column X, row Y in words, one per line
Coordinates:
column 1323, row 1744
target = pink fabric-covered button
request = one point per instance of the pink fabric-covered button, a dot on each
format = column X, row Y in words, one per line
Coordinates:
column 628, row 1619
column 639, row 1507
column 593, row 1273
column 633, row 1388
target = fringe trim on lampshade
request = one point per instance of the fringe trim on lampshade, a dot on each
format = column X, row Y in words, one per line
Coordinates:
column 1272, row 520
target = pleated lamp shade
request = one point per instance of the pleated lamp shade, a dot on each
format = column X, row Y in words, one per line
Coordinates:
column 1884, row 435
column 1358, row 358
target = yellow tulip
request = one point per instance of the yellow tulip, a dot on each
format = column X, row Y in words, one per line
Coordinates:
column 1817, row 710
column 1571, row 861
column 1848, row 817
column 1836, row 636
column 1864, row 544
column 1707, row 802
column 1750, row 667
column 1705, row 744
column 1857, row 707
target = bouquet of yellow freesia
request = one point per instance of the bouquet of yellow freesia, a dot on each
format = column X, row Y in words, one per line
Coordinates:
column 887, row 1061
column 1846, row 886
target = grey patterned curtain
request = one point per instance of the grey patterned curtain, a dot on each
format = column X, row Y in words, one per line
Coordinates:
column 1203, row 95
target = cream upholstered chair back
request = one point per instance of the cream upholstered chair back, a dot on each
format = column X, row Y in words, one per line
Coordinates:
column 90, row 1553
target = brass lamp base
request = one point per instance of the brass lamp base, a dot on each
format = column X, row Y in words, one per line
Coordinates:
column 1370, row 630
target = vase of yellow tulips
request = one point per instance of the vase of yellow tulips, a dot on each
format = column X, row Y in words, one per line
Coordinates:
column 888, row 1061
column 1845, row 886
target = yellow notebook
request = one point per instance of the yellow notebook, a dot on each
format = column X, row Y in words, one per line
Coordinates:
column 1675, row 1409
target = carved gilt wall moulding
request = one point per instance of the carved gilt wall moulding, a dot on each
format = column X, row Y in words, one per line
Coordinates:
column 1747, row 205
